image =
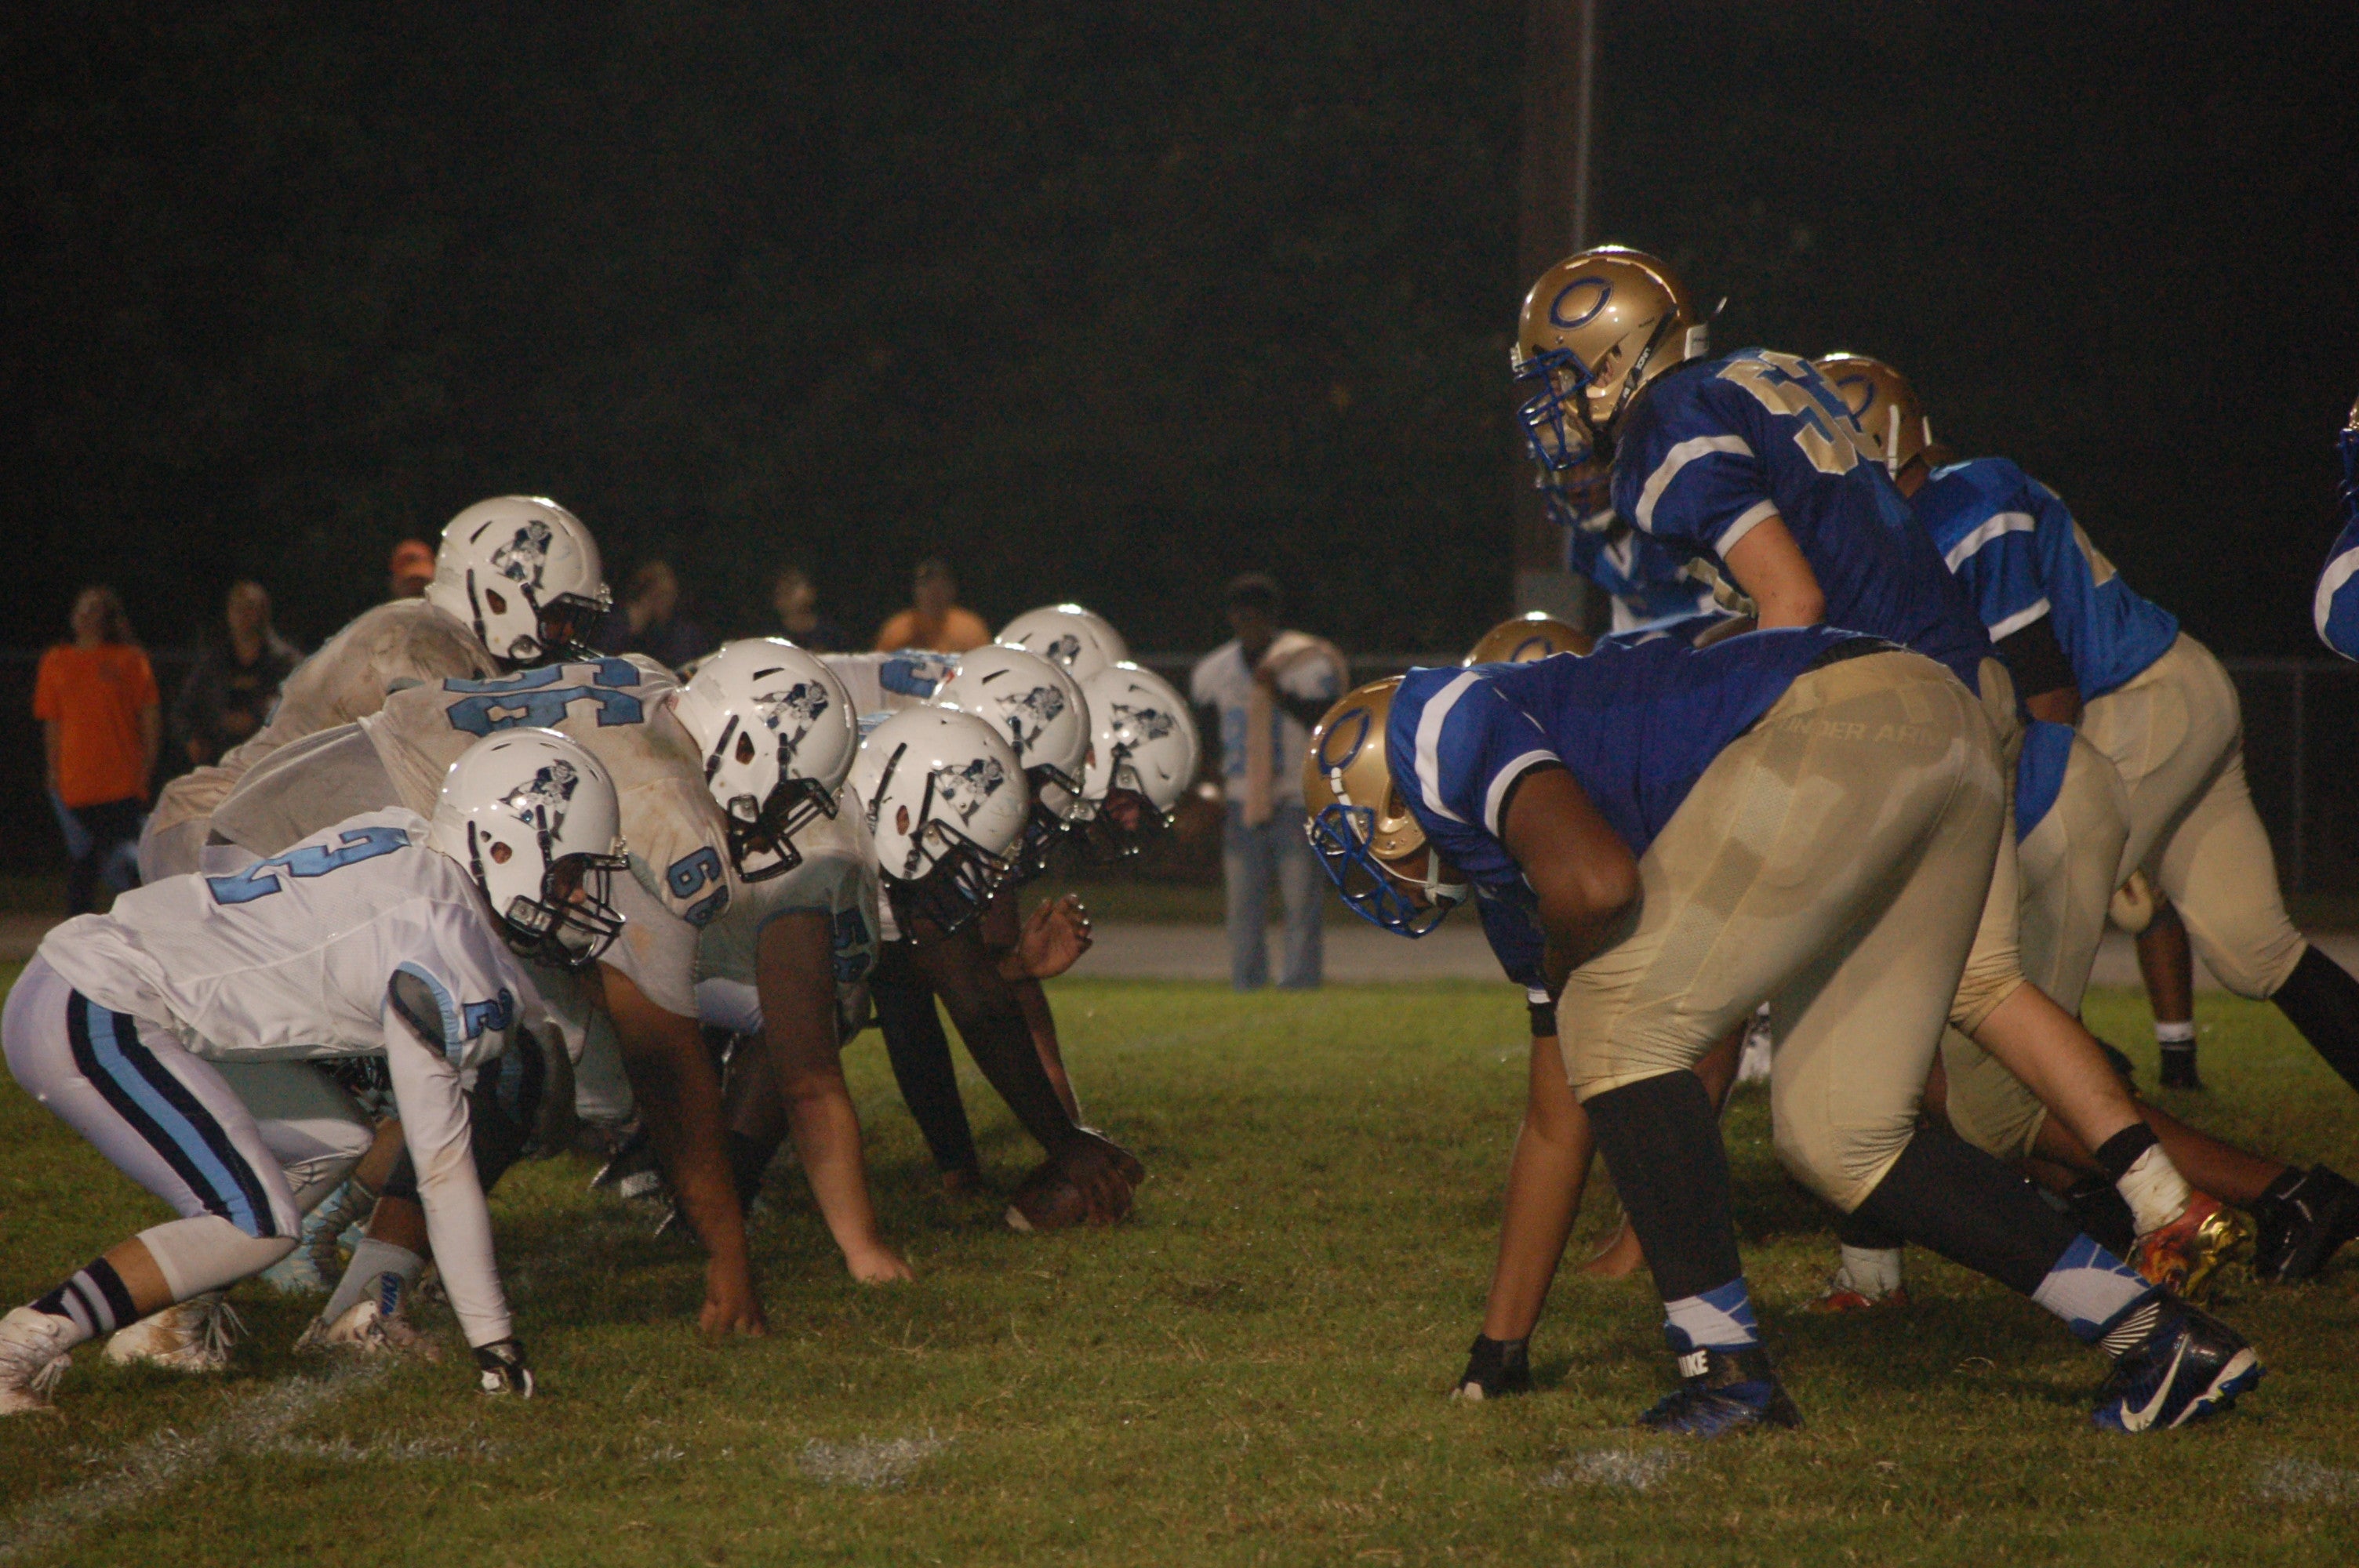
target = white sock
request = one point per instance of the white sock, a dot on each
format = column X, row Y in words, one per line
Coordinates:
column 2175, row 1034
column 2154, row 1189
column 1871, row 1270
column 372, row 1259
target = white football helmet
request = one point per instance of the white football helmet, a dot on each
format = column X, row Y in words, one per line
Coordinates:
column 1067, row 634
column 533, row 816
column 1040, row 710
column 525, row 574
column 778, row 732
column 945, row 803
column 1142, row 755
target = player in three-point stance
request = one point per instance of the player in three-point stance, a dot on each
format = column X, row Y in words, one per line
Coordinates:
column 117, row 1022
column 1808, row 818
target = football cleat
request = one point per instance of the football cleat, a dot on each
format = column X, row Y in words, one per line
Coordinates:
column 1724, row 1391
column 318, row 1260
column 2305, row 1229
column 2190, row 1366
column 1840, row 1296
column 2181, row 1257
column 2178, row 1068
column 368, row 1329
column 631, row 1173
column 500, row 1369
column 194, row 1335
column 34, row 1349
column 1495, row 1369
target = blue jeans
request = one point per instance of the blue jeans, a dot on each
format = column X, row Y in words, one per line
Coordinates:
column 1252, row 858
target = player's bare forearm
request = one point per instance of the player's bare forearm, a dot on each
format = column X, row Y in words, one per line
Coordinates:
column 1585, row 878
column 680, row 1097
column 1772, row 570
column 1033, row 998
column 796, row 974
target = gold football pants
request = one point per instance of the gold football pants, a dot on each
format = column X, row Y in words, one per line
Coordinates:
column 1834, row 859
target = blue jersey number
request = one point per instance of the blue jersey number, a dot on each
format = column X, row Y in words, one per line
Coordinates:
column 540, row 698
column 260, row 879
column 1791, row 386
column 691, row 873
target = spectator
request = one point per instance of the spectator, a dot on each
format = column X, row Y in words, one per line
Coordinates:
column 229, row 692
column 1265, row 689
column 410, row 570
column 651, row 623
column 937, row 619
column 794, row 598
column 102, row 726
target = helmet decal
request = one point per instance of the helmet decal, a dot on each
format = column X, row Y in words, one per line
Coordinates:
column 1352, row 728
column 1146, row 723
column 1041, row 705
column 964, row 790
column 551, row 789
column 1568, row 312
column 523, row 558
column 1539, row 647
column 802, row 702
column 1065, row 649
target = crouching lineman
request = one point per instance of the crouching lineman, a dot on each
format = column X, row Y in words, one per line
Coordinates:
column 1809, row 817
column 517, row 582
column 117, row 1022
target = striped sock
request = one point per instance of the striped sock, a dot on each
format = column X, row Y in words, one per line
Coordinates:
column 94, row 1299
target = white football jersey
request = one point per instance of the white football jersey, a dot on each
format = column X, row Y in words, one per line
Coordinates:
column 887, row 683
column 837, row 877
column 678, row 838
column 291, row 958
column 401, row 643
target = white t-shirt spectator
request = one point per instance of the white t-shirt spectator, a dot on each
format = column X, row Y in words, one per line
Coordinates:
column 1223, row 681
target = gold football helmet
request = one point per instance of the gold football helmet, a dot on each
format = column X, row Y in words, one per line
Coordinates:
column 1526, row 637
column 1597, row 327
column 1361, row 826
column 1884, row 405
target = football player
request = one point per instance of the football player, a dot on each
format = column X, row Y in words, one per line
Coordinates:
column 1805, row 817
column 713, row 791
column 517, row 583
column 2334, row 610
column 1747, row 464
column 2092, row 652
column 384, row 936
column 1644, row 583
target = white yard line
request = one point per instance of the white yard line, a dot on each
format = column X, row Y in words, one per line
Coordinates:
column 153, row 1465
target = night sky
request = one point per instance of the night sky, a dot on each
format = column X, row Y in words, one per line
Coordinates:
column 1112, row 301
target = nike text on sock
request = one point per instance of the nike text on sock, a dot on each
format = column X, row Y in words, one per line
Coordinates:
column 2167, row 1034
column 2154, row 1189
column 1720, row 1319
column 2090, row 1288
column 95, row 1299
column 372, row 1259
column 1870, row 1271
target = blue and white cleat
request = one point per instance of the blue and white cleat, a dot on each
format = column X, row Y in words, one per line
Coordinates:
column 1724, row 1391
column 2189, row 1367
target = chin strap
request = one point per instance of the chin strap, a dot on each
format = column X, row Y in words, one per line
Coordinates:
column 1446, row 894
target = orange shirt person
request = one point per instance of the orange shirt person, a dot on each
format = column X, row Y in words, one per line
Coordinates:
column 937, row 620
column 102, row 726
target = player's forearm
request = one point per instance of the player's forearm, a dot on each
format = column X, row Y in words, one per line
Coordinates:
column 826, row 1131
column 1033, row 1000
column 435, row 1126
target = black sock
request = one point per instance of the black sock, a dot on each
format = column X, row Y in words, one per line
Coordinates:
column 1661, row 1141
column 2322, row 1001
column 921, row 1054
column 2119, row 1153
column 1861, row 1229
column 95, row 1299
column 749, row 1157
column 1944, row 1194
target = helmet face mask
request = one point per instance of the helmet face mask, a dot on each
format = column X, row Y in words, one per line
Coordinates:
column 1369, row 888
column 946, row 805
column 572, row 920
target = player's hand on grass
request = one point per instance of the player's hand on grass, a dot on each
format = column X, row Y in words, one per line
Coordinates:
column 730, row 1305
column 878, row 1265
column 1055, row 937
column 1104, row 1171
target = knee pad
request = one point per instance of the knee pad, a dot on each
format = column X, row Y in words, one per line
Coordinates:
column 209, row 1252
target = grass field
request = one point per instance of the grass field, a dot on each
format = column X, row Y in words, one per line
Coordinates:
column 1251, row 1371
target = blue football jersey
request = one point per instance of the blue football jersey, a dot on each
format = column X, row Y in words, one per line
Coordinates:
column 2336, row 607
column 2016, row 548
column 1635, row 726
column 1645, row 582
column 1712, row 448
